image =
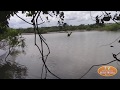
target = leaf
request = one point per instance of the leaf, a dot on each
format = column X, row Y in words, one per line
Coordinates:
column 47, row 18
column 57, row 12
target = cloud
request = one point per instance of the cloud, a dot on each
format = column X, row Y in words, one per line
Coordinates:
column 71, row 17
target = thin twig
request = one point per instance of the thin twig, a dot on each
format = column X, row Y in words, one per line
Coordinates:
column 7, row 54
column 23, row 19
column 46, row 65
column 41, row 39
column 96, row 65
column 116, row 22
column 41, row 42
column 42, row 53
column 111, row 42
column 50, row 14
column 35, row 40
column 114, row 56
column 94, row 17
column 27, row 21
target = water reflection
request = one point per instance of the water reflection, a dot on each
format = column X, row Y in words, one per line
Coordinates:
column 11, row 69
column 70, row 58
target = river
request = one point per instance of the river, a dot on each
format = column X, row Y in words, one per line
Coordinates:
column 72, row 56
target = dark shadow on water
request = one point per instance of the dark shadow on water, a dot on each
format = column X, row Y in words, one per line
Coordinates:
column 11, row 69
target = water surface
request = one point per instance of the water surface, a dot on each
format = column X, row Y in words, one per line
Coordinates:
column 72, row 56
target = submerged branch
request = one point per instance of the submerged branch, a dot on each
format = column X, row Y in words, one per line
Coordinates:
column 116, row 59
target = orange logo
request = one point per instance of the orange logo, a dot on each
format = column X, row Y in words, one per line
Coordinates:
column 107, row 71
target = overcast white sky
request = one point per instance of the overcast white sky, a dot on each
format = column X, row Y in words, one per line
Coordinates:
column 71, row 17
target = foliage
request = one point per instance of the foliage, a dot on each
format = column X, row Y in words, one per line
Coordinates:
column 112, row 27
column 12, row 38
column 107, row 27
column 11, row 71
column 5, row 16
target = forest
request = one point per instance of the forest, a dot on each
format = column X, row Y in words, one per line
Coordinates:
column 81, row 27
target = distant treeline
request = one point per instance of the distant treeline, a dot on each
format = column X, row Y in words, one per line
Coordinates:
column 107, row 27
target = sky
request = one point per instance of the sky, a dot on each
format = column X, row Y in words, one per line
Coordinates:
column 71, row 18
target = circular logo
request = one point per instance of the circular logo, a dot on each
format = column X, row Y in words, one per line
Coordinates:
column 107, row 71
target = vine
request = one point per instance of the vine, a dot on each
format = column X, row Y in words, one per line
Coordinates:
column 106, row 17
column 34, row 22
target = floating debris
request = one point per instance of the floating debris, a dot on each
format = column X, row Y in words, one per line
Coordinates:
column 111, row 46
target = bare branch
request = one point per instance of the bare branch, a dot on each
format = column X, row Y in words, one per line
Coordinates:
column 36, row 28
column 41, row 18
column 27, row 21
column 96, row 65
column 23, row 19
column 111, row 42
column 116, row 59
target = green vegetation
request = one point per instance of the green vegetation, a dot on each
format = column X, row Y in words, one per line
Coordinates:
column 12, row 38
column 112, row 27
column 89, row 27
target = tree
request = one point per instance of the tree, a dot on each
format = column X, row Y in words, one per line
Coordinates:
column 5, row 16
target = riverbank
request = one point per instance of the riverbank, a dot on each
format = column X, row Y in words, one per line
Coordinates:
column 82, row 27
column 70, row 31
column 27, row 33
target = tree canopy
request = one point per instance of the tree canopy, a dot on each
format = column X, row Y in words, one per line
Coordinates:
column 5, row 16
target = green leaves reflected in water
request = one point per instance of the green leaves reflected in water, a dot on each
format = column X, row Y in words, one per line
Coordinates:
column 11, row 69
